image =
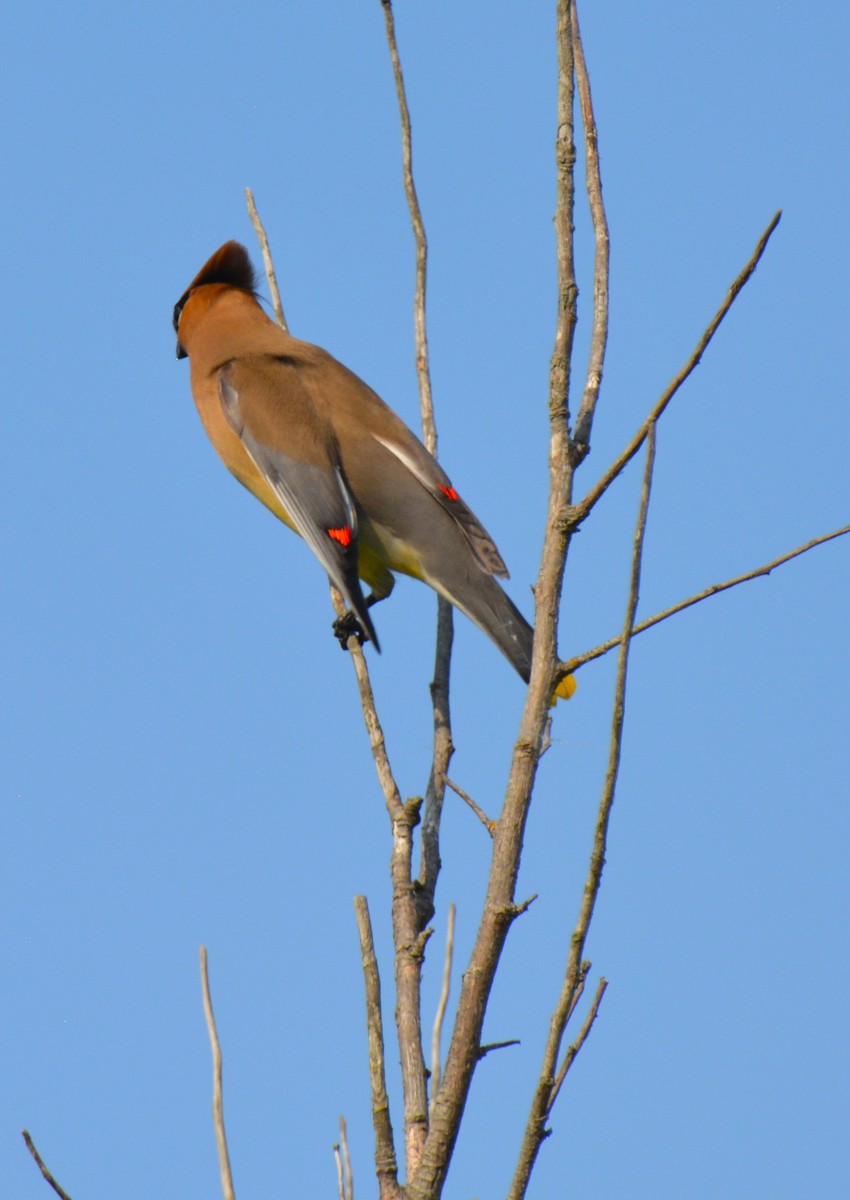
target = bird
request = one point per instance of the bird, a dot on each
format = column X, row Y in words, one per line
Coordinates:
column 336, row 464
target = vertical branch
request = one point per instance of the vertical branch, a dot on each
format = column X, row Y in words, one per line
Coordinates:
column 443, row 748
column 429, row 866
column 423, row 372
column 442, row 1004
column 599, row 334
column 386, row 1167
column 500, row 909
column 218, row 1102
column 549, row 1082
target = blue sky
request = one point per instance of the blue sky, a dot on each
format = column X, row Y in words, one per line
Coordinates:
column 183, row 758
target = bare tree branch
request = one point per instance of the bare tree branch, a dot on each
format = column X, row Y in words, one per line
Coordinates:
column 429, row 866
column 267, row 259
column 583, row 508
column 483, row 1051
column 406, row 931
column 348, row 1178
column 340, row 1178
column 573, row 1049
column 218, row 1102
column 414, row 1080
column 30, row 1144
column 443, row 748
column 442, row 1004
column 541, row 1105
column 489, row 825
column 386, row 1167
column 429, row 427
column 406, row 926
column 599, row 334
column 715, row 589
column 500, row 910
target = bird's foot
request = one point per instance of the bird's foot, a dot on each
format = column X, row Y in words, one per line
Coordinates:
column 345, row 627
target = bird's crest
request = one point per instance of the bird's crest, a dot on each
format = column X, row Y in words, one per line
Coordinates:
column 229, row 265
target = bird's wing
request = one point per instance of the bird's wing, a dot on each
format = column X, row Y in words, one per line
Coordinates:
column 303, row 469
column 433, row 478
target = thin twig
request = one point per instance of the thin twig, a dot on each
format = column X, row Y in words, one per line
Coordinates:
column 60, row 1191
column 429, row 427
column 267, row 259
column 386, row 778
column 408, row 966
column 218, row 1103
column 340, row 1181
column 443, row 748
column 408, row 958
column 442, row 1004
column 432, row 811
column 576, row 970
column 489, row 825
column 486, row 1049
column 715, row 589
column 584, row 507
column 348, row 1177
column 573, row 1049
column 386, row 1166
column 599, row 333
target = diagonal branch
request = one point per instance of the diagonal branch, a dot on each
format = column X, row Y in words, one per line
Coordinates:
column 583, row 1034
column 583, row 508
column 267, row 259
column 715, row 589
column 30, row 1144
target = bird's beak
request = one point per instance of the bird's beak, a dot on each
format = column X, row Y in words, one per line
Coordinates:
column 181, row 353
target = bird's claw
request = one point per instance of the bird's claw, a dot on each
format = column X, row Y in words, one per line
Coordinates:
column 345, row 627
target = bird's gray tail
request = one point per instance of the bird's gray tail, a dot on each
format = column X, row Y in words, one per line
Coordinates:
column 493, row 611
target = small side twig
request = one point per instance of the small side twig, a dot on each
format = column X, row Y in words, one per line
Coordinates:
column 483, row 1051
column 599, row 333
column 432, row 812
column 340, row 1178
column 489, row 825
column 30, row 1144
column 442, row 1004
column 573, row 1049
column 267, row 259
column 715, row 589
column 218, row 1102
column 584, row 507
column 345, row 1178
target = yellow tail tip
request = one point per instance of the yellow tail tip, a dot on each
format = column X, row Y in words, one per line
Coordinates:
column 565, row 689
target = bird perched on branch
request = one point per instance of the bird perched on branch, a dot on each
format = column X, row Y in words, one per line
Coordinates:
column 320, row 449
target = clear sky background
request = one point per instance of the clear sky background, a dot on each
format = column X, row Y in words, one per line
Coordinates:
column 183, row 757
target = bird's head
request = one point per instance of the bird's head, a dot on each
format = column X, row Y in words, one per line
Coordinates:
column 229, row 267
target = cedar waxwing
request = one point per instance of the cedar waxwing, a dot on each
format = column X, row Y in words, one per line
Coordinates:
column 330, row 459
